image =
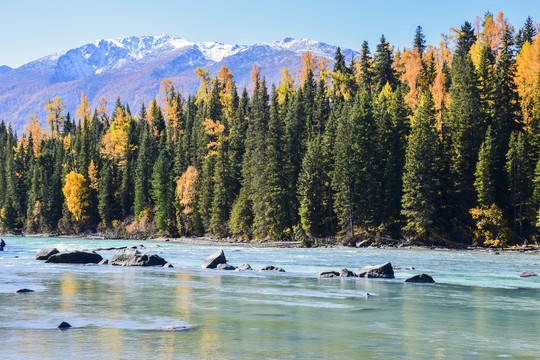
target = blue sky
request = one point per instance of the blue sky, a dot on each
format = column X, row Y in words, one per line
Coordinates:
column 32, row 29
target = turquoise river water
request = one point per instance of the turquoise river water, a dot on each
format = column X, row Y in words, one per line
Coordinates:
column 479, row 307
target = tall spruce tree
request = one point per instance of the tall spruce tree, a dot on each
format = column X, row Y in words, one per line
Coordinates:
column 420, row 180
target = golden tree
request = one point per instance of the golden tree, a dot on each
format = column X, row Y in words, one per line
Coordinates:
column 83, row 109
column 76, row 195
column 55, row 110
column 115, row 141
column 527, row 73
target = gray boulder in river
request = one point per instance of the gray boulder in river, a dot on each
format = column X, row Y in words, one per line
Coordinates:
column 527, row 274
column 327, row 274
column 420, row 278
column 214, row 260
column 44, row 254
column 133, row 257
column 346, row 273
column 225, row 267
column 271, row 268
column 244, row 267
column 75, row 257
column 377, row 271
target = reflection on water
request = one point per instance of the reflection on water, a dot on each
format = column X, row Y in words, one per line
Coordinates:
column 120, row 312
column 68, row 290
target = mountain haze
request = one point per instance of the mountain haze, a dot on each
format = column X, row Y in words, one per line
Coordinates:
column 134, row 67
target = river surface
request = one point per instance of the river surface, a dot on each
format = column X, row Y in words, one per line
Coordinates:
column 479, row 307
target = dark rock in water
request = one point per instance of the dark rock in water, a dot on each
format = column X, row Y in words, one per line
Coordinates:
column 214, row 260
column 377, row 271
column 64, row 325
column 420, row 278
column 244, row 267
column 133, row 257
column 527, row 274
column 346, row 273
column 168, row 265
column 176, row 328
column 24, row 291
column 104, row 262
column 225, row 267
column 271, row 268
column 327, row 274
column 75, row 257
column 44, row 254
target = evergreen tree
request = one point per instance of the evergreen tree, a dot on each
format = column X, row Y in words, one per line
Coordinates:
column 518, row 170
column 143, row 173
column 527, row 33
column 466, row 127
column 162, row 190
column 420, row 181
column 106, row 196
column 419, row 42
column 485, row 174
column 383, row 61
column 365, row 78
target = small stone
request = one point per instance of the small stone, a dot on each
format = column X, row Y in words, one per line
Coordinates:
column 104, row 262
column 271, row 268
column 420, row 278
column 346, row 273
column 24, row 291
column 168, row 265
column 225, row 267
column 527, row 274
column 244, row 267
column 328, row 274
column 64, row 325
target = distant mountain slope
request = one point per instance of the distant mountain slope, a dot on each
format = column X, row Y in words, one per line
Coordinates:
column 4, row 69
column 134, row 67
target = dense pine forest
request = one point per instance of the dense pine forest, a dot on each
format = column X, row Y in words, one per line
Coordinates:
column 432, row 144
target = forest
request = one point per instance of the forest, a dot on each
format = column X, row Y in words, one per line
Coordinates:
column 436, row 145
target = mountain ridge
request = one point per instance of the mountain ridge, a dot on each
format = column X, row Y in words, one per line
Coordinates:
column 133, row 68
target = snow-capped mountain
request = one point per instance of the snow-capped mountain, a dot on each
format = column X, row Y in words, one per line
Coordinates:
column 133, row 68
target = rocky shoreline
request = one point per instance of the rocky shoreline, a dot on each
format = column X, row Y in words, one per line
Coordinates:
column 328, row 243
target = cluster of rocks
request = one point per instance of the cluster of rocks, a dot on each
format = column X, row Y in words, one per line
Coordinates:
column 382, row 271
column 218, row 261
column 122, row 257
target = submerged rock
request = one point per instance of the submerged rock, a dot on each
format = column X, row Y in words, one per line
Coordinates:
column 420, row 278
column 75, row 257
column 244, row 267
column 225, row 267
column 64, row 325
column 24, row 291
column 327, row 274
column 133, row 257
column 44, row 254
column 346, row 273
column 527, row 274
column 104, row 262
column 214, row 260
column 271, row 268
column 168, row 265
column 377, row 271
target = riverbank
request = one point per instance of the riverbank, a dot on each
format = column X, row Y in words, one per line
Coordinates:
column 327, row 243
